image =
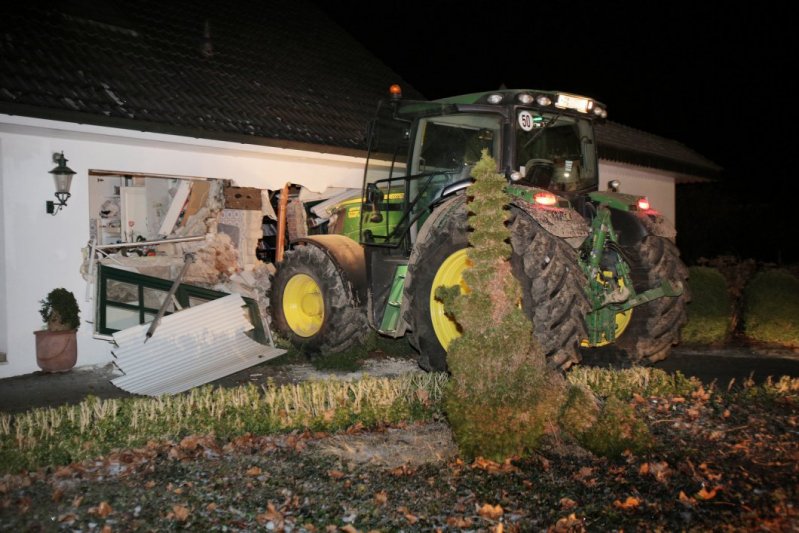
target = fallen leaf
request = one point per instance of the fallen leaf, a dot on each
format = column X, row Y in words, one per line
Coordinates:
column 210, row 507
column 493, row 467
column 64, row 471
column 272, row 512
column 181, row 512
column 349, row 529
column 704, row 494
column 570, row 524
column 459, row 522
column 58, row 494
column 499, row 528
column 381, row 497
column 410, row 517
column 336, row 474
column 253, row 471
column 355, row 428
column 490, row 511
column 685, row 500
column 189, row 443
column 629, row 503
column 700, row 394
column 102, row 510
column 567, row 503
column 403, row 470
column 67, row 518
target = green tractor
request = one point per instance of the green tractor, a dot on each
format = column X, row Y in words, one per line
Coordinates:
column 597, row 268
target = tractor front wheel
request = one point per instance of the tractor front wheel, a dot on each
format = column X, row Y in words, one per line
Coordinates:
column 312, row 306
column 553, row 294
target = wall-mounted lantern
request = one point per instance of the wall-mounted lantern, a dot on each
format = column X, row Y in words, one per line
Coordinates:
column 63, row 179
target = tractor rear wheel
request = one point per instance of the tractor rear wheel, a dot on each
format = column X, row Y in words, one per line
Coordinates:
column 655, row 326
column 312, row 306
column 552, row 286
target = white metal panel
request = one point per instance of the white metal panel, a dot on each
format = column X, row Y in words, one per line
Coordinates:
column 189, row 348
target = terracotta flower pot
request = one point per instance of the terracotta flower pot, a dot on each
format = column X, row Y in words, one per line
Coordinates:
column 56, row 351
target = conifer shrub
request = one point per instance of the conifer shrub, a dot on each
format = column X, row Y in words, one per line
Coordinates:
column 710, row 309
column 502, row 399
column 771, row 308
column 616, row 429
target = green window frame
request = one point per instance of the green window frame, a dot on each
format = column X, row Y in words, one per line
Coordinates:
column 143, row 285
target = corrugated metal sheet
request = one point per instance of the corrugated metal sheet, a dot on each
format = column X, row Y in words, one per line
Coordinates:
column 189, row 348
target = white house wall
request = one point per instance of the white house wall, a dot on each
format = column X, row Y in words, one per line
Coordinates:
column 40, row 252
column 656, row 185
column 3, row 278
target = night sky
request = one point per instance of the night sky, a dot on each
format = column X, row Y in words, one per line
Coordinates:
column 715, row 77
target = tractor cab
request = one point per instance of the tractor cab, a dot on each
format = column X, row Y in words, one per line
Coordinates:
column 422, row 152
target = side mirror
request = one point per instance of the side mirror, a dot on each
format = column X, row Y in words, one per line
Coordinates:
column 374, row 197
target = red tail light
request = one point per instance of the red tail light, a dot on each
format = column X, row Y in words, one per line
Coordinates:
column 643, row 204
column 545, row 198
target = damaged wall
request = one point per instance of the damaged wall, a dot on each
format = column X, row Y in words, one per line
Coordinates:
column 224, row 260
column 41, row 252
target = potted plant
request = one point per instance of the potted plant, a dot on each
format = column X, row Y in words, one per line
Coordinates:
column 57, row 345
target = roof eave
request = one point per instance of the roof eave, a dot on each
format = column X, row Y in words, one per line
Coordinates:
column 170, row 129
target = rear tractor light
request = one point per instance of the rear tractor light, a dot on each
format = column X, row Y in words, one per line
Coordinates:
column 545, row 198
column 643, row 204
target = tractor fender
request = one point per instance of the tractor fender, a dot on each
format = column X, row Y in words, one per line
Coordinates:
column 632, row 226
column 564, row 223
column 348, row 256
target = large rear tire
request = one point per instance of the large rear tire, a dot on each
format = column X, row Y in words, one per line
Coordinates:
column 312, row 305
column 655, row 326
column 552, row 286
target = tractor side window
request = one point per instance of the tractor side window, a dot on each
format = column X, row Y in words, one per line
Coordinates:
column 451, row 143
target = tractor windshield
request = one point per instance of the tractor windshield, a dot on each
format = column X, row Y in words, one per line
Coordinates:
column 555, row 152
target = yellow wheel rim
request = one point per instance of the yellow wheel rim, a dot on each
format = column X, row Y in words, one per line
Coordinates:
column 303, row 305
column 622, row 321
column 449, row 273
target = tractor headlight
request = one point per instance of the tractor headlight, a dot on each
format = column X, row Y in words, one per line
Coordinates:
column 525, row 98
column 494, row 98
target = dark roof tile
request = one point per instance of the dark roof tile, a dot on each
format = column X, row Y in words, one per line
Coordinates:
column 629, row 145
column 146, row 63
